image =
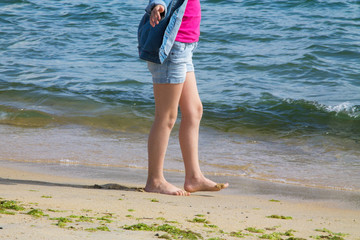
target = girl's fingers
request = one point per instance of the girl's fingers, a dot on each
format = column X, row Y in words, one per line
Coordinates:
column 153, row 18
column 155, row 15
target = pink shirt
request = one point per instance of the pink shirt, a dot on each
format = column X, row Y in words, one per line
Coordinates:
column 189, row 31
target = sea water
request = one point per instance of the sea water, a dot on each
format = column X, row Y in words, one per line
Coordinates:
column 279, row 81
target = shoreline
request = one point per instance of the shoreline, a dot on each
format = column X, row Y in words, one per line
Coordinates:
column 238, row 185
column 250, row 157
column 212, row 215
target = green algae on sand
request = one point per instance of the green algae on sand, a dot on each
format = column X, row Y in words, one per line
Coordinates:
column 280, row 217
column 172, row 230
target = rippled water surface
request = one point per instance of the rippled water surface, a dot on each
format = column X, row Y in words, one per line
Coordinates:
column 279, row 80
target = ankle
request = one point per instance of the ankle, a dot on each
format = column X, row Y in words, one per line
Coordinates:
column 194, row 177
column 155, row 180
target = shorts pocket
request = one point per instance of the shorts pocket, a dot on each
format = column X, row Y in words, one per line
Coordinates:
column 178, row 53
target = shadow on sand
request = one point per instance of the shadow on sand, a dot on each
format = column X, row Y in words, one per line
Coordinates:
column 110, row 186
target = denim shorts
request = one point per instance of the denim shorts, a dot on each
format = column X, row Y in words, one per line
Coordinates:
column 176, row 65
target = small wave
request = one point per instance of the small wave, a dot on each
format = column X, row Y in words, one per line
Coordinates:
column 285, row 117
column 346, row 108
column 5, row 21
column 25, row 118
column 15, row 1
column 118, row 118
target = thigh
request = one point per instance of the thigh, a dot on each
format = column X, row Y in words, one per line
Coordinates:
column 190, row 102
column 167, row 98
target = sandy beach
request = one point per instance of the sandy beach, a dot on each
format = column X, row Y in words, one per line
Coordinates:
column 279, row 88
column 52, row 207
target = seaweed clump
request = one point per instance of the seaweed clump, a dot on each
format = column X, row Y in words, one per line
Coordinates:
column 330, row 235
column 6, row 205
column 280, row 217
column 172, row 230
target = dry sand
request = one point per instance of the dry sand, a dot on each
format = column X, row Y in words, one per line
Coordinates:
column 72, row 198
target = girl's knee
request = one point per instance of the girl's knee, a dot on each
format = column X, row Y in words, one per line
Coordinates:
column 199, row 111
column 193, row 114
column 166, row 120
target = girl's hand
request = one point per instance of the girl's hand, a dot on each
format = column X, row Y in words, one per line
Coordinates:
column 155, row 16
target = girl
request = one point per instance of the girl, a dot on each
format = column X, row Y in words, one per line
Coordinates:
column 168, row 35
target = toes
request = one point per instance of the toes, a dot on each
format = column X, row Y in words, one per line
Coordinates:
column 165, row 188
column 182, row 193
column 205, row 185
column 220, row 186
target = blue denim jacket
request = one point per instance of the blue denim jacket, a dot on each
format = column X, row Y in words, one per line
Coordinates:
column 155, row 43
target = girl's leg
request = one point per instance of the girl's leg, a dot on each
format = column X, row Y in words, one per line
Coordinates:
column 166, row 108
column 191, row 113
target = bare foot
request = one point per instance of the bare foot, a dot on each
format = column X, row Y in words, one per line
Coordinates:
column 203, row 184
column 164, row 187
